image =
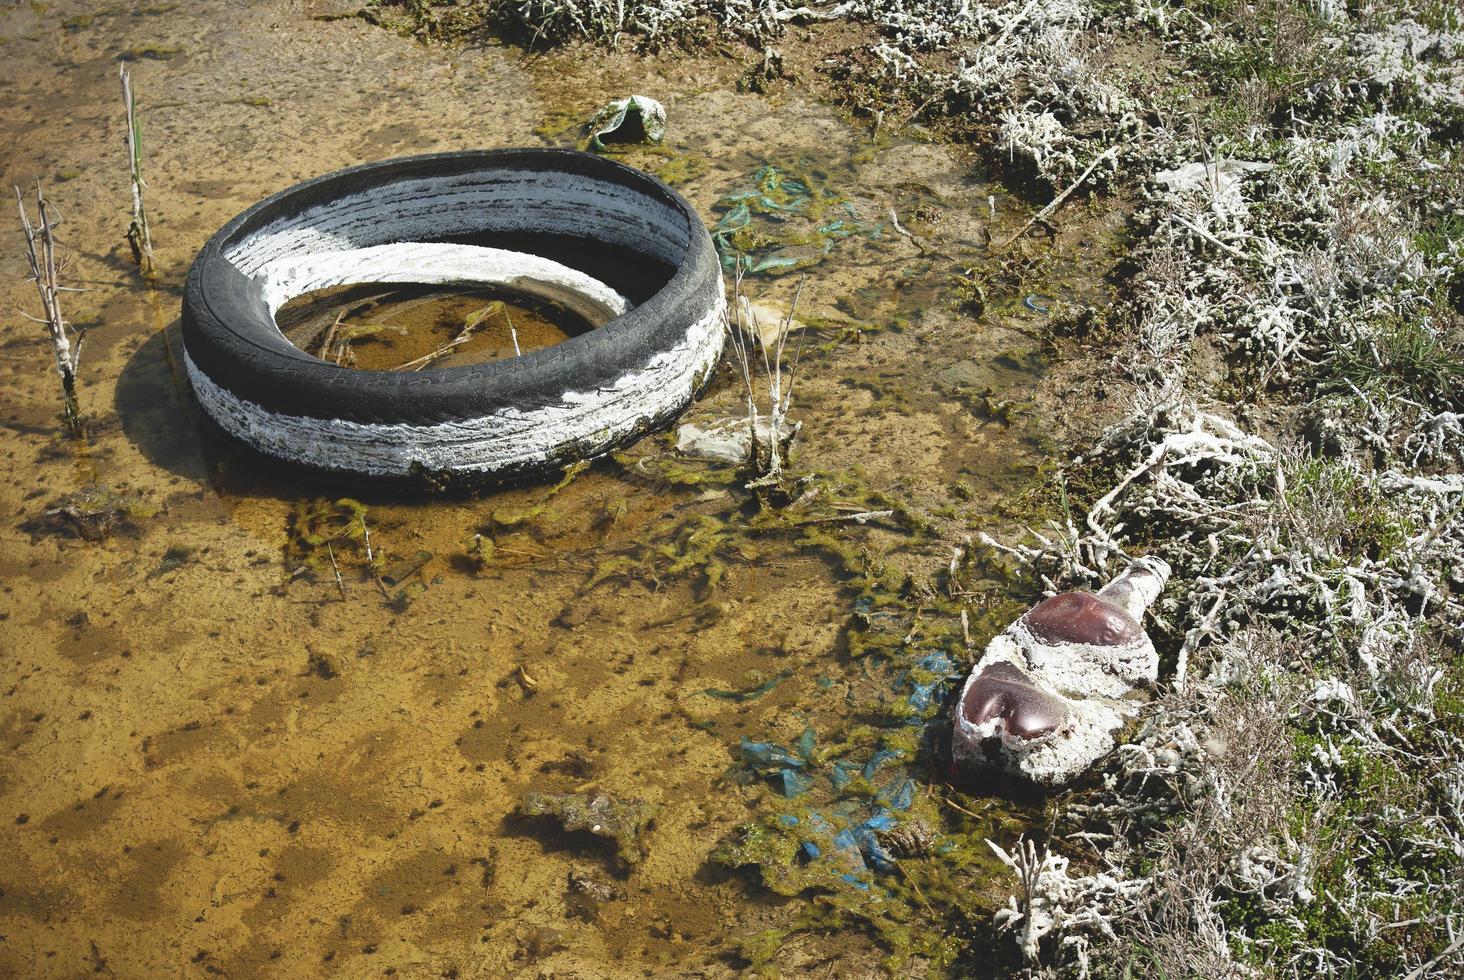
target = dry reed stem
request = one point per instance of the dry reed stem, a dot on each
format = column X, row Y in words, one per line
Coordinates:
column 747, row 340
column 139, row 236
column 40, row 242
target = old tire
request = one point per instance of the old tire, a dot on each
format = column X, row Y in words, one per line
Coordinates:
column 539, row 220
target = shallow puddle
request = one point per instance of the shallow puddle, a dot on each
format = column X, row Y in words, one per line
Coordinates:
column 233, row 745
column 411, row 328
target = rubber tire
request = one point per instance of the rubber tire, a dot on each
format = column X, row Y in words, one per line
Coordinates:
column 581, row 398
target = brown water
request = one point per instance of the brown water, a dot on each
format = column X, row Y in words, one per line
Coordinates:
column 217, row 757
column 412, row 328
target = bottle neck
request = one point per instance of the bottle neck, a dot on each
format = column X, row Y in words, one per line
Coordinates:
column 1137, row 588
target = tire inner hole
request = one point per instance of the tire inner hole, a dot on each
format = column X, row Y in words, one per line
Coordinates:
column 378, row 327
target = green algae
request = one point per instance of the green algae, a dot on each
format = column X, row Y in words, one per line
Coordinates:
column 752, row 693
column 315, row 525
column 931, row 910
column 677, row 168
column 513, row 516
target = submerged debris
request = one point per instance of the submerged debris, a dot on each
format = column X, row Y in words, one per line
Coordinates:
column 93, row 512
column 724, row 440
column 543, row 942
column 585, row 894
column 782, row 221
column 622, row 821
column 636, row 119
column 913, row 839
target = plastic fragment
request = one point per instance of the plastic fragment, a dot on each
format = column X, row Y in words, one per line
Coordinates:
column 840, row 775
column 897, row 795
column 805, row 744
column 926, row 693
column 794, row 783
column 636, row 119
column 751, row 693
column 878, row 759
column 768, row 756
column 870, row 847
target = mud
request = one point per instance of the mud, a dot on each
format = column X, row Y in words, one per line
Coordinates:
column 217, row 757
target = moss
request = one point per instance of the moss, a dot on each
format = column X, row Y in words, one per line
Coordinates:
column 679, row 168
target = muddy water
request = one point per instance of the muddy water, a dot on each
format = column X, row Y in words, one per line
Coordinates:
column 219, row 758
column 412, row 328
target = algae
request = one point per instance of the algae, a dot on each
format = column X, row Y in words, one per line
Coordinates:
column 621, row 821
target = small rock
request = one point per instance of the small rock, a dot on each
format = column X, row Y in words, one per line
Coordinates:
column 93, row 512
column 587, row 893
column 765, row 320
column 724, row 440
column 543, row 941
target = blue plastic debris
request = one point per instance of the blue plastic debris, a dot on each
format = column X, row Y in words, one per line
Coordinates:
column 841, row 773
column 936, row 663
column 924, row 694
column 846, row 846
column 775, row 197
column 793, row 783
column 804, row 745
column 897, row 795
column 869, row 846
column 878, row 759
column 882, row 820
column 768, row 756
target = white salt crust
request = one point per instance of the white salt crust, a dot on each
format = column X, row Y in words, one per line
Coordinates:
column 1095, row 683
column 437, row 263
column 427, row 209
column 596, row 420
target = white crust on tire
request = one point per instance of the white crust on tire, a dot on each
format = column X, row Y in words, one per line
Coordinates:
column 427, row 208
column 510, row 440
column 441, row 263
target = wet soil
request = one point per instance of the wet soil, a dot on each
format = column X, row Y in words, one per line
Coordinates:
column 220, row 757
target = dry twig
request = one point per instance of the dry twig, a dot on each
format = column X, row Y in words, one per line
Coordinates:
column 40, row 244
column 139, row 236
